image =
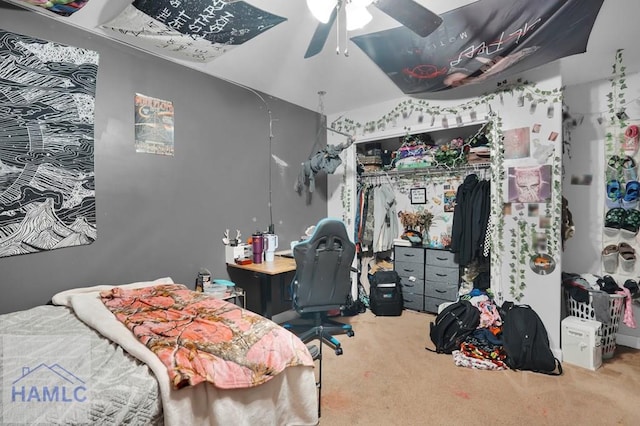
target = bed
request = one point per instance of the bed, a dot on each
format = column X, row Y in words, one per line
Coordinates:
column 76, row 362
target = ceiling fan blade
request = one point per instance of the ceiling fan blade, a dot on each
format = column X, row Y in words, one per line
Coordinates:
column 320, row 36
column 412, row 15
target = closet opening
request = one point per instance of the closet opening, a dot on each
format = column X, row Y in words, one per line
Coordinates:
column 422, row 210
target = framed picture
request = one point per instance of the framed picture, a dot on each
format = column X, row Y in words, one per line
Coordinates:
column 418, row 195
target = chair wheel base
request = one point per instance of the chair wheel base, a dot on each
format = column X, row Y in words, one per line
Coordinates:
column 338, row 351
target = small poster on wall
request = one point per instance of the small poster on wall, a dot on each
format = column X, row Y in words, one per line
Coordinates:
column 154, row 125
column 449, row 199
column 516, row 143
column 418, row 195
column 529, row 184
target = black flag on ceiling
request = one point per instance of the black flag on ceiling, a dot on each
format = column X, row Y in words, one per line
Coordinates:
column 217, row 21
column 484, row 39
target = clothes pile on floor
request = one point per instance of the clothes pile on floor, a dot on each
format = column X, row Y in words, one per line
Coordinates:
column 482, row 349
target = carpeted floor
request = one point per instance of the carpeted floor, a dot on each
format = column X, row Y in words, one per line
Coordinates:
column 386, row 377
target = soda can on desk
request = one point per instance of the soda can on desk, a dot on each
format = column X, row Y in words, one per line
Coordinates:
column 203, row 282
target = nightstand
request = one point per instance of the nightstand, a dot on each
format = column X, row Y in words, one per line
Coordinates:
column 236, row 296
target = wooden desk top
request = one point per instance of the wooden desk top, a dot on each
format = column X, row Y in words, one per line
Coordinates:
column 280, row 265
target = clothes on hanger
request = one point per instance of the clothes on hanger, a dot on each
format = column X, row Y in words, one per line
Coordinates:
column 470, row 218
column 376, row 223
column 365, row 219
column 357, row 231
column 385, row 214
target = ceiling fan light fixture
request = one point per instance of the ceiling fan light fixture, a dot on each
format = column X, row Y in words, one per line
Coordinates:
column 321, row 9
column 357, row 16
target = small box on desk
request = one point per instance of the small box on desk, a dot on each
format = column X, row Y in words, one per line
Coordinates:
column 231, row 253
column 582, row 342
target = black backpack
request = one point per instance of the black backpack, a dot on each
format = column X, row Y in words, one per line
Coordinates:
column 525, row 340
column 452, row 326
column 357, row 306
column 385, row 294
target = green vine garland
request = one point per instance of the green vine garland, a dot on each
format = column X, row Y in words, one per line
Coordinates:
column 345, row 198
column 422, row 107
column 520, row 250
column 615, row 104
column 554, row 208
column 497, row 192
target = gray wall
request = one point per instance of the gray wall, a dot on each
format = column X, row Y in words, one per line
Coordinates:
column 165, row 216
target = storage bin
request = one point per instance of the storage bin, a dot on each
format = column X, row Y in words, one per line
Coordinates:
column 582, row 342
column 218, row 291
column 586, row 311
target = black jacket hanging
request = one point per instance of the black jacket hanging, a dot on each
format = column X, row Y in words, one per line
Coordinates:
column 470, row 217
column 460, row 238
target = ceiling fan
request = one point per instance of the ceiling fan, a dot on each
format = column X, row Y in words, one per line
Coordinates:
column 412, row 15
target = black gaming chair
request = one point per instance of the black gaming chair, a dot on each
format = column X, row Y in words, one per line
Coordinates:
column 322, row 283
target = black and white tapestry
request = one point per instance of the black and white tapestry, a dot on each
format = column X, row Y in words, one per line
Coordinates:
column 198, row 30
column 482, row 40
column 47, row 191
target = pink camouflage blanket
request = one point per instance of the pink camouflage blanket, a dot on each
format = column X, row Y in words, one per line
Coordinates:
column 200, row 338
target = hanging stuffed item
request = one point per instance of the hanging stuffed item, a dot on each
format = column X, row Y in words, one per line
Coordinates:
column 327, row 160
column 568, row 227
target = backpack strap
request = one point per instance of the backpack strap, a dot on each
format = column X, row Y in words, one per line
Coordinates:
column 428, row 348
column 556, row 372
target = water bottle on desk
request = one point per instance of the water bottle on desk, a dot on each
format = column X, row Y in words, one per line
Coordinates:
column 257, row 244
column 271, row 244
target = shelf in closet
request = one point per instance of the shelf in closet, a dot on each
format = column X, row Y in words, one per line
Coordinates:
column 428, row 171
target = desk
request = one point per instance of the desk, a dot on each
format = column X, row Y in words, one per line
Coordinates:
column 265, row 271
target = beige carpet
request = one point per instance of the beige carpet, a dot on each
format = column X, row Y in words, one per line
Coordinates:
column 386, row 377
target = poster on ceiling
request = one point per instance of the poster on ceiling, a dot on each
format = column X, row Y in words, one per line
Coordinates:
column 154, row 125
column 60, row 7
column 480, row 41
column 197, row 30
column 47, row 189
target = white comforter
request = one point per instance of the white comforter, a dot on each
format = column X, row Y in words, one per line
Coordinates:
column 288, row 399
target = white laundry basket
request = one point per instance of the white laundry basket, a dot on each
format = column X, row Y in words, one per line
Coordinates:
column 586, row 311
